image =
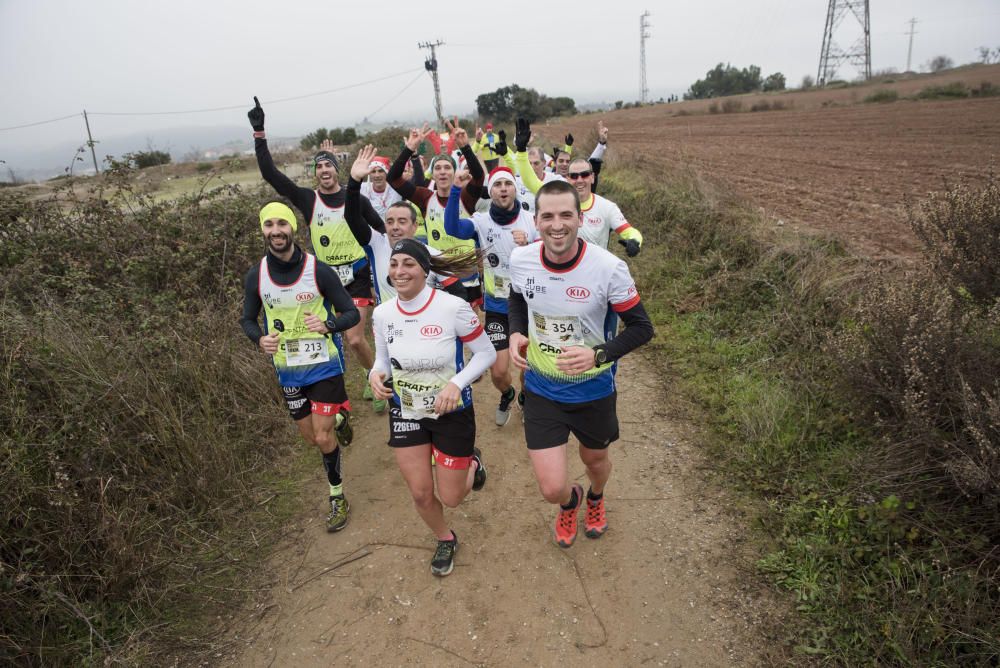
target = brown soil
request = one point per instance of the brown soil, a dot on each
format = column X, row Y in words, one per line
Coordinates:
column 670, row 584
column 828, row 162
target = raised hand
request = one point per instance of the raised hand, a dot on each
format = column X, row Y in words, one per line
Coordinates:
column 522, row 135
column 602, row 133
column 256, row 116
column 416, row 136
column 462, row 178
column 458, row 135
column 362, row 164
column 479, row 134
column 568, row 139
column 327, row 145
column 501, row 146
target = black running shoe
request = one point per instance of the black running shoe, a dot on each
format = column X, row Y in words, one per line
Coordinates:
column 479, row 477
column 503, row 410
column 444, row 556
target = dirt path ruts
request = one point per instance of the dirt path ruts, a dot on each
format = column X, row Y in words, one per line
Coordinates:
column 667, row 585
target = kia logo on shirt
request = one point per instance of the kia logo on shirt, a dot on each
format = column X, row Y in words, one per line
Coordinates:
column 431, row 330
column 305, row 297
column 576, row 292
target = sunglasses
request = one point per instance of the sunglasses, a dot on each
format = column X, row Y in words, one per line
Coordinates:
column 580, row 175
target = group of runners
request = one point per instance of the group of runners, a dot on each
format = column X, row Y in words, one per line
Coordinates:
column 509, row 265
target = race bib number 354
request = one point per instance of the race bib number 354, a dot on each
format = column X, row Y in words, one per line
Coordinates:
column 558, row 331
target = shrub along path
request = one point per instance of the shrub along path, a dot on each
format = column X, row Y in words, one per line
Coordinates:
column 670, row 584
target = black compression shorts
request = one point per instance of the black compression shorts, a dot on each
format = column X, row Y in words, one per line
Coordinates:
column 324, row 397
column 452, row 433
column 360, row 288
column 548, row 423
column 497, row 330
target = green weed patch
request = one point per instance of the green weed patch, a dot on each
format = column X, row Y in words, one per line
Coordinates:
column 886, row 562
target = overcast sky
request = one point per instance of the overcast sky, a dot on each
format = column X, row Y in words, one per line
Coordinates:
column 61, row 56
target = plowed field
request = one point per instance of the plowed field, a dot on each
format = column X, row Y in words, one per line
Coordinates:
column 846, row 168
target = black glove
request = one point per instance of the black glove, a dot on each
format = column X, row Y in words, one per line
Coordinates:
column 631, row 246
column 569, row 140
column 256, row 116
column 500, row 147
column 522, row 135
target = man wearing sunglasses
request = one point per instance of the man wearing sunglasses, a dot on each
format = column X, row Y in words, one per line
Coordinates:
column 600, row 215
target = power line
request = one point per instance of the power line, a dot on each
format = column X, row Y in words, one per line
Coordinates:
column 396, row 96
column 31, row 125
column 242, row 106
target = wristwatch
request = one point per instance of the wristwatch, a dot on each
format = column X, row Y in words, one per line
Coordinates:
column 331, row 325
column 600, row 356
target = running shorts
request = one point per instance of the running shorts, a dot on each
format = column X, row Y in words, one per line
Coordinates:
column 360, row 289
column 453, row 434
column 497, row 330
column 548, row 423
column 324, row 397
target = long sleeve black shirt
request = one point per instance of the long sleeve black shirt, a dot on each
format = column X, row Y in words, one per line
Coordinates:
column 304, row 199
column 344, row 316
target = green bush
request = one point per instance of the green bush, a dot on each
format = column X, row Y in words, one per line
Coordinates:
column 883, row 95
column 150, row 158
column 204, row 167
column 954, row 90
column 139, row 426
column 732, row 106
column 985, row 89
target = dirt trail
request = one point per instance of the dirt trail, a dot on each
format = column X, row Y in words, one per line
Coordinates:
column 668, row 584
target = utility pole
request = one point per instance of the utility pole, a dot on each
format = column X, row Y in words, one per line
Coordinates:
column 643, row 88
column 859, row 54
column 909, row 51
column 91, row 142
column 431, row 65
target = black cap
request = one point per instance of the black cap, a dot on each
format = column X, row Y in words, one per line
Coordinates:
column 416, row 250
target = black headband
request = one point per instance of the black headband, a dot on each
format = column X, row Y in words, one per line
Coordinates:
column 416, row 250
column 326, row 155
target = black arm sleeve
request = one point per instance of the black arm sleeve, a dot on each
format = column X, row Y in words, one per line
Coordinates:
column 251, row 306
column 517, row 313
column 472, row 190
column 595, row 165
column 347, row 314
column 419, row 178
column 302, row 198
column 352, row 213
column 638, row 330
column 371, row 216
column 395, row 175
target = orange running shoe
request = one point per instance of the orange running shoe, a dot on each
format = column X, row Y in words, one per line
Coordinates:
column 565, row 529
column 596, row 521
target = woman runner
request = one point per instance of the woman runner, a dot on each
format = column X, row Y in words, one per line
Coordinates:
column 418, row 352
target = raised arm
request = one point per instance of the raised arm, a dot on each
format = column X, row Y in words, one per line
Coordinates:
column 416, row 194
column 473, row 189
column 521, row 160
column 352, row 203
column 460, row 228
column 302, row 198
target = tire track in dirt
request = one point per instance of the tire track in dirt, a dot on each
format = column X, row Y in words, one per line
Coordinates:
column 668, row 584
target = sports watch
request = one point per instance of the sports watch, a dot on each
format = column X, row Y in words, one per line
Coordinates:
column 600, row 356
